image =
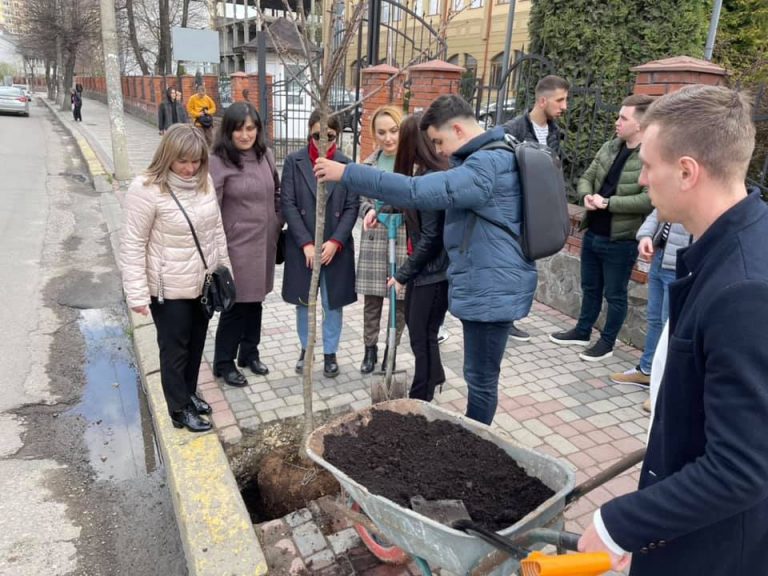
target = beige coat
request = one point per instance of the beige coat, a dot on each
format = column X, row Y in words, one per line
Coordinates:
column 157, row 251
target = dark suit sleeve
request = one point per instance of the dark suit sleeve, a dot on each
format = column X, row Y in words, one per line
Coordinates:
column 426, row 249
column 289, row 205
column 348, row 216
column 730, row 476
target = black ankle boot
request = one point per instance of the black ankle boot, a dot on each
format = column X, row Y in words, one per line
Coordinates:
column 300, row 363
column 370, row 359
column 384, row 361
column 330, row 366
column 189, row 419
column 200, row 405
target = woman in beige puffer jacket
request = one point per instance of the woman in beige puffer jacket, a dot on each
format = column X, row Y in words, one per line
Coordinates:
column 162, row 269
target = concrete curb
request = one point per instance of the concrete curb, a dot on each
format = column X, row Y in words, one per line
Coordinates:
column 214, row 525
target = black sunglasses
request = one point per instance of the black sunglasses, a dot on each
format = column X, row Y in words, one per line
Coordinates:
column 331, row 136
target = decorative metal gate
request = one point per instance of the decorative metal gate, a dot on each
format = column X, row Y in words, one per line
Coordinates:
column 401, row 38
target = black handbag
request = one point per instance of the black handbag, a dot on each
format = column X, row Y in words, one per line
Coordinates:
column 219, row 288
column 280, row 253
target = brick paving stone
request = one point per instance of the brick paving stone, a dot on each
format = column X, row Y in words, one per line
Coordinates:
column 308, row 539
column 582, row 442
column 251, row 423
column 568, row 415
column 563, row 446
column 343, row 541
column 604, row 453
column 538, row 428
column 320, row 560
column 603, row 420
column 223, row 418
column 582, row 411
column 230, row 434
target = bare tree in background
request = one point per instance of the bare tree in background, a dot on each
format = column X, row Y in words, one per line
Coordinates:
column 56, row 31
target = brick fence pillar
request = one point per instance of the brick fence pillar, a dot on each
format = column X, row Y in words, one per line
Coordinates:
column 661, row 77
column 377, row 93
column 430, row 80
column 239, row 85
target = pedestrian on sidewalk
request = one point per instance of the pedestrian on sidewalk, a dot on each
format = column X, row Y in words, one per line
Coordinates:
column 616, row 205
column 491, row 281
column 702, row 502
column 425, row 272
column 659, row 242
column 171, row 111
column 77, row 105
column 248, row 190
column 162, row 268
column 337, row 275
column 201, row 108
column 539, row 125
column 373, row 260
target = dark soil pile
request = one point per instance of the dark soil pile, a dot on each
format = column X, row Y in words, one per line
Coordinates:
column 399, row 456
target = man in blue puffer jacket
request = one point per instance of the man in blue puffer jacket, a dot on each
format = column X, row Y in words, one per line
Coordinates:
column 491, row 282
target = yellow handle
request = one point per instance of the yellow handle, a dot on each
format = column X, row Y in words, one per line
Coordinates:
column 587, row 564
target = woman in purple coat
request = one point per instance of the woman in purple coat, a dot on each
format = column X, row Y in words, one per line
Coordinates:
column 248, row 189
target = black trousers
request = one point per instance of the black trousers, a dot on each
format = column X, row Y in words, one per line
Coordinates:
column 239, row 327
column 77, row 113
column 425, row 310
column 181, row 328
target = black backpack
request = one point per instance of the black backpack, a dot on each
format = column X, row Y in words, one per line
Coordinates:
column 546, row 223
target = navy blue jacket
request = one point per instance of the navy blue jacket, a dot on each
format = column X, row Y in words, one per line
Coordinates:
column 490, row 279
column 702, row 503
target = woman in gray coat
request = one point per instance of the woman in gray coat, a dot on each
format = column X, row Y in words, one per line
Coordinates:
column 337, row 276
column 170, row 111
column 248, row 189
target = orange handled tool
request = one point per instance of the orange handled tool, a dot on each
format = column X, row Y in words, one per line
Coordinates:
column 584, row 564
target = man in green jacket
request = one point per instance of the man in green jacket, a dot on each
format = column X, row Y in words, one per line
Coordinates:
column 616, row 207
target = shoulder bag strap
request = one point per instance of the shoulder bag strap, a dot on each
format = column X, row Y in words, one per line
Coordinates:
column 191, row 228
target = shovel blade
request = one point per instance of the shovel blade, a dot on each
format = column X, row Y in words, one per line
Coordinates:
column 443, row 511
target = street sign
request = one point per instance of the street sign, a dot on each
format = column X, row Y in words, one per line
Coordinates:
column 192, row 45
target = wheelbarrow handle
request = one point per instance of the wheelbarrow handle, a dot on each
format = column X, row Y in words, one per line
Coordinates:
column 518, row 545
column 608, row 474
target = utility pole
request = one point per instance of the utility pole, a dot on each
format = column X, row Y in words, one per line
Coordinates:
column 505, row 65
column 712, row 29
column 114, row 90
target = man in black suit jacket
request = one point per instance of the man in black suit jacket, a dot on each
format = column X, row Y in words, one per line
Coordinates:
column 702, row 504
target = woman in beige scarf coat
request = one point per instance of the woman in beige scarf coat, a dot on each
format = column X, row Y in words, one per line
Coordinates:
column 162, row 269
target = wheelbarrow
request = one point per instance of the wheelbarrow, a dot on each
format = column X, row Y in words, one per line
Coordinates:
column 395, row 532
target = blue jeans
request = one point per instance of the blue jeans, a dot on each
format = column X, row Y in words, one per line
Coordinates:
column 605, row 270
column 332, row 320
column 659, row 280
column 484, row 345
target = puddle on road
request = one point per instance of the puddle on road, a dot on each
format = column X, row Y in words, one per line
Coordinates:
column 119, row 432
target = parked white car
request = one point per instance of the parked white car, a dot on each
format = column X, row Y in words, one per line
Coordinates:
column 13, row 100
column 25, row 88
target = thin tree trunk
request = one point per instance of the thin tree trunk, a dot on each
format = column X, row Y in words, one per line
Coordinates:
column 184, row 13
column 134, row 38
column 164, row 49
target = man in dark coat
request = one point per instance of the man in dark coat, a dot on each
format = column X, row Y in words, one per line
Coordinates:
column 702, row 504
column 539, row 125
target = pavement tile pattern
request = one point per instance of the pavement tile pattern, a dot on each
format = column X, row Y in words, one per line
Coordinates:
column 549, row 399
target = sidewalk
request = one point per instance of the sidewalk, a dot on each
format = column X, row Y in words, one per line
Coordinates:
column 549, row 399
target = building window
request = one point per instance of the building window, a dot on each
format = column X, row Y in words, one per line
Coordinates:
column 497, row 69
column 458, row 5
column 476, row 4
column 470, row 63
column 294, row 75
column 434, row 7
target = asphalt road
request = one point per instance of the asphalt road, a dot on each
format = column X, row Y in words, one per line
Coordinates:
column 82, row 489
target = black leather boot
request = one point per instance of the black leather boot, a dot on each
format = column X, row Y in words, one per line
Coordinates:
column 370, row 359
column 189, row 419
column 256, row 366
column 384, row 361
column 200, row 405
column 330, row 366
column 300, row 363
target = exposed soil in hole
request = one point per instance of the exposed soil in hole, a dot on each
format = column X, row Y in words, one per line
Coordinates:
column 273, row 480
column 400, row 456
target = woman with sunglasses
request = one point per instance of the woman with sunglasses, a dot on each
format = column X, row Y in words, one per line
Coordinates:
column 372, row 264
column 248, row 190
column 337, row 276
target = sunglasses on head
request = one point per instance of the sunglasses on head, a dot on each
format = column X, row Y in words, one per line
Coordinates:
column 331, row 136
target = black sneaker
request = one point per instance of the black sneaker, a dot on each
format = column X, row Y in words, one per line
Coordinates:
column 520, row 335
column 599, row 351
column 570, row 338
